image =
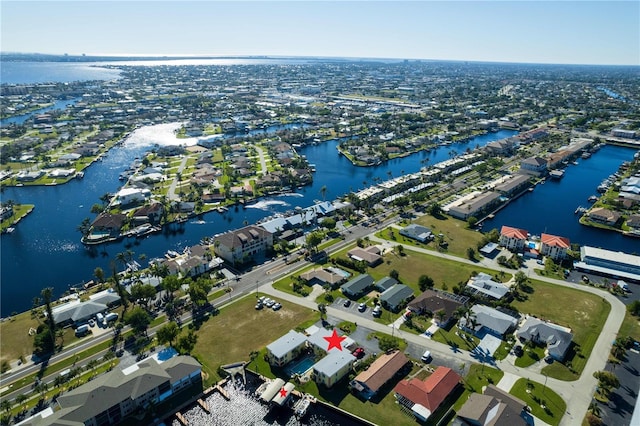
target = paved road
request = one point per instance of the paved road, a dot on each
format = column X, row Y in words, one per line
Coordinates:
column 577, row 394
column 171, row 194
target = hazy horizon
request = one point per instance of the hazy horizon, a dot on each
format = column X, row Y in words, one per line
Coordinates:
column 561, row 32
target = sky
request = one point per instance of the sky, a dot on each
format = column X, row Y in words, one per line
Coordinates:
column 566, row 32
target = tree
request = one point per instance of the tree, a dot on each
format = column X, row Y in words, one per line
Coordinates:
column 394, row 274
column 441, row 314
column 472, row 221
column 199, row 290
column 46, row 294
column 329, row 223
column 143, row 292
column 520, row 278
column 85, row 227
column 322, row 308
column 634, row 308
column 21, row 399
column 168, row 333
column 425, row 282
column 6, row 405
column 99, row 274
column 313, row 239
column 435, row 210
column 471, row 253
column 138, row 319
column 187, row 342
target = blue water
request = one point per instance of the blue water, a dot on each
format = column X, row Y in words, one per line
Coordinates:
column 300, row 367
column 19, row 119
column 550, row 207
column 46, row 72
column 45, row 248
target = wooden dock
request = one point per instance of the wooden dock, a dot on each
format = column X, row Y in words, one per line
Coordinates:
column 222, row 392
column 181, row 419
column 204, row 405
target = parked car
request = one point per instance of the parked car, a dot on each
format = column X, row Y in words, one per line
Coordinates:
column 92, row 323
column 518, row 351
column 276, row 306
column 347, row 303
column 362, row 307
column 259, row 305
column 82, row 330
column 269, row 303
column 358, row 353
column 377, row 311
column 426, row 356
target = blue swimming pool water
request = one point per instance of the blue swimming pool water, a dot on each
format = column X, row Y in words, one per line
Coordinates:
column 299, row 367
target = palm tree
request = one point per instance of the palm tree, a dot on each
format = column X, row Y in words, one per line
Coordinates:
column 21, row 399
column 6, row 405
column 594, row 408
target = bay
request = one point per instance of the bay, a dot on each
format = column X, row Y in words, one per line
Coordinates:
column 45, row 248
column 54, row 72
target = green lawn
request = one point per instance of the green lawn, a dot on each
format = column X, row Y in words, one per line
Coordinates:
column 239, row 329
column 532, row 354
column 455, row 231
column 584, row 313
column 477, row 377
column 460, row 340
column 538, row 397
column 630, row 326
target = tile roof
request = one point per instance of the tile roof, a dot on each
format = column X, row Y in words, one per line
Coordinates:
column 510, row 232
column 554, row 240
column 431, row 392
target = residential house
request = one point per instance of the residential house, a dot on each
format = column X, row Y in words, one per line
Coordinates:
column 553, row 246
column 604, row 216
column 493, row 408
column 633, row 221
column 483, row 320
column 317, row 339
column 370, row 254
column 244, row 244
column 151, row 213
column 417, row 232
column 380, row 372
column 385, row 283
column 115, row 396
column 6, row 212
column 536, row 166
column 108, row 223
column 324, row 276
column 396, row 297
column 513, row 238
column 131, row 195
column 503, row 146
column 424, row 397
column 433, row 301
column 483, row 286
column 76, row 312
column 556, row 338
column 286, row 348
column 333, row 367
column 357, row 286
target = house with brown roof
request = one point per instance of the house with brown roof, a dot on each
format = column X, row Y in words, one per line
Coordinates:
column 371, row 255
column 380, row 372
column 323, row 276
column 604, row 216
column 554, row 246
column 493, row 408
column 424, row 397
column 244, row 244
column 513, row 238
column 151, row 213
column 433, row 301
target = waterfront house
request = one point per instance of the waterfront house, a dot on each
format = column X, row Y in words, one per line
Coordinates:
column 472, row 204
column 108, row 223
column 604, row 216
column 483, row 320
column 536, row 166
column 243, row 244
column 512, row 184
column 609, row 263
column 396, row 297
column 317, row 341
column 417, row 232
column 77, row 312
column 513, row 238
column 112, row 397
column 370, row 254
column 493, row 408
column 286, row 348
column 424, row 397
column 380, row 372
column 131, row 195
column 554, row 246
column 333, row 367
column 432, row 301
column 151, row 213
column 503, row 146
column 557, row 339
column 357, row 286
column 6, row 212
column 483, row 286
column 633, row 221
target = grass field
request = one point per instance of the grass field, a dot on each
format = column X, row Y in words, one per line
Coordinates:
column 630, row 326
column 478, row 377
column 584, row 313
column 539, row 396
column 239, row 329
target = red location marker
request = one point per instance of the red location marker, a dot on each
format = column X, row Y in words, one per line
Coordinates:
column 283, row 392
column 334, row 340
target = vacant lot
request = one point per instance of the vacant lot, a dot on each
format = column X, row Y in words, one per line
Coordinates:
column 584, row 313
column 239, row 329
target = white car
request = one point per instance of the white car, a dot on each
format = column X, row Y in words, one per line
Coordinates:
column 276, row 306
column 426, row 356
column 269, row 303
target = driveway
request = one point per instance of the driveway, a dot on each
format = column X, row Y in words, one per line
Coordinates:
column 624, row 399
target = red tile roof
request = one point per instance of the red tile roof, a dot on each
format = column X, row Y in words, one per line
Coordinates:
column 554, row 240
column 431, row 392
column 510, row 232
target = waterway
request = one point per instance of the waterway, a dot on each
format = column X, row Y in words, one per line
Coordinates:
column 45, row 249
column 19, row 119
column 22, row 72
column 550, row 207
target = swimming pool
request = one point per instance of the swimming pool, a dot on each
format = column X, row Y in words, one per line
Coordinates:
column 300, row 366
